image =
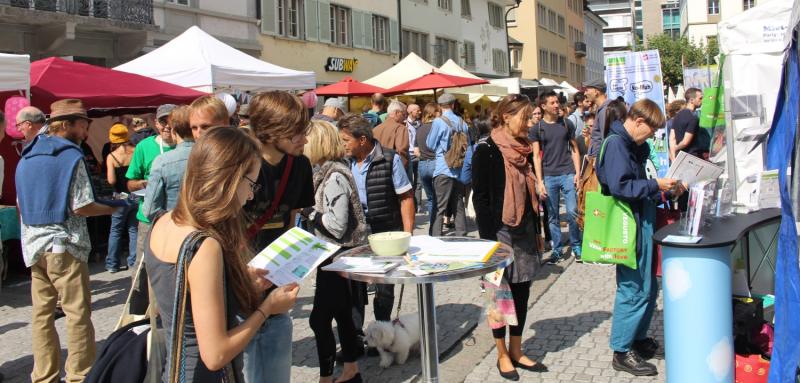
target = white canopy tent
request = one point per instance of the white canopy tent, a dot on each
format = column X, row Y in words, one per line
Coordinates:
column 753, row 43
column 15, row 72
column 568, row 89
column 475, row 92
column 409, row 68
column 197, row 60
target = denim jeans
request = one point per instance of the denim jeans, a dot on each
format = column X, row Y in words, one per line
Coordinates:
column 268, row 356
column 426, row 177
column 556, row 185
column 123, row 220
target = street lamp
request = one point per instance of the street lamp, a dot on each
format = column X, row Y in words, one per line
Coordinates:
column 508, row 50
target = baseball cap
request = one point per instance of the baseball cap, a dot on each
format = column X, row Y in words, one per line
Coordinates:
column 598, row 84
column 164, row 110
column 446, row 99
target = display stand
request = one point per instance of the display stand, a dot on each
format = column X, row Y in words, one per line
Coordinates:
column 698, row 313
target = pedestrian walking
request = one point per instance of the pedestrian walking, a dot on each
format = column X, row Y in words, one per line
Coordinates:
column 506, row 206
column 198, row 249
column 449, row 140
column 557, row 172
column 337, row 217
column 393, row 133
column 55, row 240
column 427, row 159
column 621, row 173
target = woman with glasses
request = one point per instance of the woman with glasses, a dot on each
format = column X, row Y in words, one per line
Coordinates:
column 207, row 229
column 337, row 217
column 506, row 207
column 280, row 122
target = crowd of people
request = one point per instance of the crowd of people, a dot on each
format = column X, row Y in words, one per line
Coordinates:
column 213, row 182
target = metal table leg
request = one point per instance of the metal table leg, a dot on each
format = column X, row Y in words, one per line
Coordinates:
column 429, row 349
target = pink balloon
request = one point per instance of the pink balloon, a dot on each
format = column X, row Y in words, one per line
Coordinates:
column 13, row 106
column 309, row 99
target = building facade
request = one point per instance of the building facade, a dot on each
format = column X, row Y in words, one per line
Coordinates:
column 661, row 16
column 699, row 18
column 618, row 34
column 593, row 37
column 105, row 33
column 357, row 38
column 231, row 21
column 551, row 33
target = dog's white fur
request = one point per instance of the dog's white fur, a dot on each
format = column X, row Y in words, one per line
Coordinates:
column 393, row 340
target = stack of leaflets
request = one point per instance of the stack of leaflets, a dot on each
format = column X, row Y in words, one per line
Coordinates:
column 365, row 265
column 429, row 255
column 293, row 256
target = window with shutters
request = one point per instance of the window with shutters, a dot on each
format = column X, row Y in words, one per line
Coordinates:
column 541, row 15
column 466, row 11
column 446, row 5
column 713, row 7
column 469, row 54
column 340, row 25
column 499, row 61
column 516, row 58
column 562, row 65
column 495, row 15
column 416, row 42
column 290, row 18
column 445, row 49
column 553, row 63
column 561, row 25
column 543, row 61
column 747, row 4
column 380, row 33
column 551, row 20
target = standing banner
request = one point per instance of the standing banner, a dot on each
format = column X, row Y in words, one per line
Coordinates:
column 634, row 76
column 701, row 77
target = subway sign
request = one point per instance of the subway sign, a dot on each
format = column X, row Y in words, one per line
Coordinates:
column 338, row 64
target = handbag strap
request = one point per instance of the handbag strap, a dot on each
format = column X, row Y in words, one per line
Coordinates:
column 256, row 226
column 178, row 358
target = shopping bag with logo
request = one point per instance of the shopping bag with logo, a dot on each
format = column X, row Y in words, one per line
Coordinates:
column 751, row 369
column 609, row 232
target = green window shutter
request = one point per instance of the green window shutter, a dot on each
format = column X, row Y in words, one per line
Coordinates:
column 358, row 28
column 324, row 21
column 394, row 36
column 312, row 20
column 268, row 17
column 368, row 33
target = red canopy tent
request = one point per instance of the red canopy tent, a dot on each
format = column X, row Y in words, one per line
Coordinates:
column 101, row 88
column 434, row 81
column 348, row 87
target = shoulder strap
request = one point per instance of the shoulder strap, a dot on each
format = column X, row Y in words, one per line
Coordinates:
column 178, row 340
column 603, row 148
column 276, row 200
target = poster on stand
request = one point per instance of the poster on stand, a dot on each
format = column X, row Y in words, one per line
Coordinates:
column 634, row 76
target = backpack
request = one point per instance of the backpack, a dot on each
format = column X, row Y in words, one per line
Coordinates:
column 373, row 119
column 455, row 154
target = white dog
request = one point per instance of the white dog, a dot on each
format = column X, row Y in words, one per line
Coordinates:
column 394, row 339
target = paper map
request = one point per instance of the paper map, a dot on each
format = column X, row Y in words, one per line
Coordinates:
column 292, row 256
column 690, row 169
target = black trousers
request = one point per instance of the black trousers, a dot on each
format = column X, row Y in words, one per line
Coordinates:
column 521, row 292
column 332, row 300
column 381, row 305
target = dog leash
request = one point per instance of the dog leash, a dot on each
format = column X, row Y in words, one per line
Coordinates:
column 400, row 302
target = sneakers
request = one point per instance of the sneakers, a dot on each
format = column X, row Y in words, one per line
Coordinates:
column 633, row 364
column 554, row 260
column 577, row 255
column 648, row 348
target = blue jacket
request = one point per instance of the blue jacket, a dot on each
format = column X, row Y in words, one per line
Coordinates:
column 43, row 178
column 621, row 172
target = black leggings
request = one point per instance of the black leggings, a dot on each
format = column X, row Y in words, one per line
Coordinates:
column 332, row 301
column 520, row 292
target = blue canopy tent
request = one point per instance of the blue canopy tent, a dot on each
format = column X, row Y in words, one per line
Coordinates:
column 784, row 152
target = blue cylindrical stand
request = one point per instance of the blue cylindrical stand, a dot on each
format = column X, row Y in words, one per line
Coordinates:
column 698, row 314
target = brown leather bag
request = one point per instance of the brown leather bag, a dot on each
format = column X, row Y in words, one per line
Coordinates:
column 588, row 182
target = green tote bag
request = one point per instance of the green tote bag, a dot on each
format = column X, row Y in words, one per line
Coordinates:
column 609, row 232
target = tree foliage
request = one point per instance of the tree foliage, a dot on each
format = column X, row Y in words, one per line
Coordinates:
column 680, row 52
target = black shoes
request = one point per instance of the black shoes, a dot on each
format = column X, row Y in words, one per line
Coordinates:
column 509, row 375
column 633, row 364
column 648, row 348
column 538, row 367
column 355, row 379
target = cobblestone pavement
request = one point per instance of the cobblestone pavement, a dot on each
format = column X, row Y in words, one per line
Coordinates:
column 463, row 343
column 568, row 330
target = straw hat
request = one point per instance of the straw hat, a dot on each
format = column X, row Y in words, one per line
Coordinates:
column 67, row 109
column 118, row 134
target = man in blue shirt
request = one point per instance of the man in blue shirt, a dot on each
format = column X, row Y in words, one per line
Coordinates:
column 384, row 191
column 445, row 179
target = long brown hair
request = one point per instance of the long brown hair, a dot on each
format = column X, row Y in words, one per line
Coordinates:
column 277, row 114
column 208, row 200
column 510, row 105
column 429, row 112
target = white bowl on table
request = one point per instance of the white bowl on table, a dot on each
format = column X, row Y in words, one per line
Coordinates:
column 390, row 243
